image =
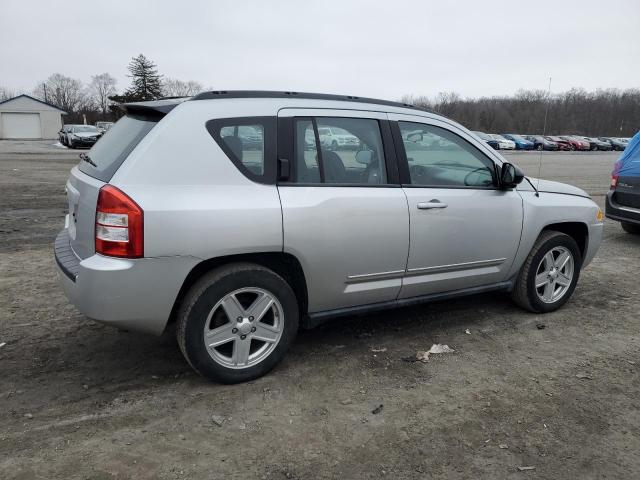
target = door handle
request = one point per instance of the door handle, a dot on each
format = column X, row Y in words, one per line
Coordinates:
column 431, row 204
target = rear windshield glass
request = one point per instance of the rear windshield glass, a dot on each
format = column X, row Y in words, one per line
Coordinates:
column 115, row 145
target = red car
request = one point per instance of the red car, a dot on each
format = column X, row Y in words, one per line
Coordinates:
column 562, row 144
column 577, row 143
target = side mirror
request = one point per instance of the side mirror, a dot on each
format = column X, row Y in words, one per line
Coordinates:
column 510, row 176
column 415, row 137
column 365, row 157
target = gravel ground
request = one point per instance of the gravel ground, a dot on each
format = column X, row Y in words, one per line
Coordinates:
column 559, row 392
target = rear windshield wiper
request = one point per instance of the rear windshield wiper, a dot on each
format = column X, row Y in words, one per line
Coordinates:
column 86, row 158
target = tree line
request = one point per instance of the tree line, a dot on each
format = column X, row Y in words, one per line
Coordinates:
column 98, row 99
column 610, row 112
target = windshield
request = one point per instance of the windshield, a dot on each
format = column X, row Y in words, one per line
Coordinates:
column 115, row 145
column 516, row 137
column 85, row 128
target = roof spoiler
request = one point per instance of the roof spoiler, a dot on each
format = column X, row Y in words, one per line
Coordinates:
column 154, row 108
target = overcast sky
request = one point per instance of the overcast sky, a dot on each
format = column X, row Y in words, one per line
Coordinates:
column 378, row 49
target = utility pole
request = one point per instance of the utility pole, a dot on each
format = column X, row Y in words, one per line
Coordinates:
column 44, row 87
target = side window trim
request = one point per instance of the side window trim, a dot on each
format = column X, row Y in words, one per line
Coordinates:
column 403, row 162
column 287, row 151
column 316, row 135
column 269, row 134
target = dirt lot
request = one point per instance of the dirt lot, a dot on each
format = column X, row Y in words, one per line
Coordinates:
column 80, row 400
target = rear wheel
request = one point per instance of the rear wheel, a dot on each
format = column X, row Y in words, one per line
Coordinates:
column 550, row 274
column 237, row 322
column 631, row 227
column 539, row 147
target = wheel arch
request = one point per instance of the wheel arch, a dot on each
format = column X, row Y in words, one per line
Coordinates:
column 284, row 264
column 576, row 230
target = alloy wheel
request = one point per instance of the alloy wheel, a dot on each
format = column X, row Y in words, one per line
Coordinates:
column 554, row 274
column 244, row 328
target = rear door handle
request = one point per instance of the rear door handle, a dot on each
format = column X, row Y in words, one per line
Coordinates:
column 432, row 204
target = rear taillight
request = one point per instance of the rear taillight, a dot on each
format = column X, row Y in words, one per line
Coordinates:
column 119, row 224
column 614, row 182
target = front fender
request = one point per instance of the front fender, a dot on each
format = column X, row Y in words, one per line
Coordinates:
column 539, row 212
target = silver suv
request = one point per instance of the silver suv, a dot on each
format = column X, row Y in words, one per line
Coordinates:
column 220, row 214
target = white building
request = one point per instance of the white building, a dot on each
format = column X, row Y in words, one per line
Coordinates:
column 24, row 117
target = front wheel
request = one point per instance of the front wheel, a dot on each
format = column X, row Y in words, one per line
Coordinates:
column 631, row 227
column 237, row 322
column 550, row 274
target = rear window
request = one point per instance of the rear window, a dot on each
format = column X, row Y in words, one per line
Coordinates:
column 115, row 145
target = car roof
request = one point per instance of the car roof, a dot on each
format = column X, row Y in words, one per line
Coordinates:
column 165, row 105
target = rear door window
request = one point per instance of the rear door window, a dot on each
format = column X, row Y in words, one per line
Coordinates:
column 115, row 145
column 347, row 151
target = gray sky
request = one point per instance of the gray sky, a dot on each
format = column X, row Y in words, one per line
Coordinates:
column 379, row 49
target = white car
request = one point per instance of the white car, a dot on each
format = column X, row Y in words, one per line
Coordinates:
column 335, row 137
column 103, row 126
column 503, row 143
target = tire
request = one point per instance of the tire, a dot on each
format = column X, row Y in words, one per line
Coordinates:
column 573, row 147
column 71, row 144
column 540, row 147
column 633, row 228
column 202, row 309
column 526, row 295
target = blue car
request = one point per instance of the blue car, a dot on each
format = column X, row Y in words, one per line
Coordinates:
column 521, row 142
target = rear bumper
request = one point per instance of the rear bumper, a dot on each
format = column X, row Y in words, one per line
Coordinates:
column 621, row 213
column 130, row 294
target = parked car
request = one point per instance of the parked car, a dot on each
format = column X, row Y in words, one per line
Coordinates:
column 597, row 144
column 616, row 143
column 542, row 143
column 103, row 126
column 239, row 257
column 576, row 143
column 492, row 142
column 521, row 142
column 562, row 144
column 623, row 199
column 503, row 143
column 82, row 136
column 62, row 134
column 336, row 137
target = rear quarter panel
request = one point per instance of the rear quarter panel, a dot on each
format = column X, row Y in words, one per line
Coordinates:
column 195, row 201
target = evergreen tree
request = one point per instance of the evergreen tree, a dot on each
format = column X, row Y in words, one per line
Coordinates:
column 146, row 83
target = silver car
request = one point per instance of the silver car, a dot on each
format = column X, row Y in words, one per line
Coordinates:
column 178, row 216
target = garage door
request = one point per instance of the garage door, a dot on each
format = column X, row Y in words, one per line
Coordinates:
column 21, row 125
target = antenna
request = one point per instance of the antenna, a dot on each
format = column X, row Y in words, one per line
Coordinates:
column 544, row 132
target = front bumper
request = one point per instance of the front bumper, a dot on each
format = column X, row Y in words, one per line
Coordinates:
column 593, row 243
column 132, row 294
column 620, row 213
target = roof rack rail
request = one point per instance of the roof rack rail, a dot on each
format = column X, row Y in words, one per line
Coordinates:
column 305, row 95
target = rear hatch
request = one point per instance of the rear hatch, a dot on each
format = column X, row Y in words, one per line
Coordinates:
column 627, row 192
column 98, row 165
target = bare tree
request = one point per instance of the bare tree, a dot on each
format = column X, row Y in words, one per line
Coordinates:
column 601, row 113
column 101, row 88
column 173, row 87
column 67, row 93
column 6, row 93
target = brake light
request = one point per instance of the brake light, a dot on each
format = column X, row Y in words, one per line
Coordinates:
column 614, row 182
column 119, row 224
